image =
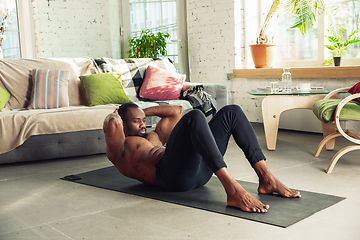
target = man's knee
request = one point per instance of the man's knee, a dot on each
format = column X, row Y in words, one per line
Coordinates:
column 196, row 113
column 233, row 108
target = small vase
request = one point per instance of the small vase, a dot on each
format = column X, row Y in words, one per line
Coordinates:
column 337, row 61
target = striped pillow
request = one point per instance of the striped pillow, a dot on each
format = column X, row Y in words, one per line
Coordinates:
column 50, row 89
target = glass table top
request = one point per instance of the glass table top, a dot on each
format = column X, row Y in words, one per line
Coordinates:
column 266, row 92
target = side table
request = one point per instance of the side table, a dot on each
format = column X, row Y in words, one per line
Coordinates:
column 274, row 104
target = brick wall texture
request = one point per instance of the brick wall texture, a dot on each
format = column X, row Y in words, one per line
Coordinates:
column 211, row 39
column 75, row 28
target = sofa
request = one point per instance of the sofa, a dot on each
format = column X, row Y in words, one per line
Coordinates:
column 38, row 124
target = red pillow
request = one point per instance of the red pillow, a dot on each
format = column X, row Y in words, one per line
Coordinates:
column 160, row 84
column 355, row 89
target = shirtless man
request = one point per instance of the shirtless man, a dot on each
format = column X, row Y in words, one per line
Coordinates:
column 194, row 151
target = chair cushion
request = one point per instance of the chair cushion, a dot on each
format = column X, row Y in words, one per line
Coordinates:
column 325, row 110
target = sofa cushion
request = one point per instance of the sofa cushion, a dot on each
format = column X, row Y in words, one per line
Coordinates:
column 132, row 71
column 50, row 89
column 325, row 109
column 4, row 98
column 16, row 75
column 104, row 88
column 160, row 84
column 355, row 89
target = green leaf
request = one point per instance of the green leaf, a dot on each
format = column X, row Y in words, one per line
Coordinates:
column 351, row 42
column 332, row 39
column 330, row 47
column 328, row 62
column 352, row 34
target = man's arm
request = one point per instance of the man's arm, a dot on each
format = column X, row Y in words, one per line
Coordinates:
column 169, row 114
column 114, row 137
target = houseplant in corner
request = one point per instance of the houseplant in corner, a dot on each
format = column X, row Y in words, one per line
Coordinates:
column 339, row 45
column 148, row 45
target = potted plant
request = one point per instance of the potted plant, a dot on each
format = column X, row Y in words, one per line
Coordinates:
column 339, row 45
column 263, row 51
column 148, row 45
column 305, row 13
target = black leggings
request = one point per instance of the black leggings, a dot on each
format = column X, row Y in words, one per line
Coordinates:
column 195, row 148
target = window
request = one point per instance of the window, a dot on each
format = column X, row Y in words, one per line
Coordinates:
column 11, row 45
column 293, row 49
column 157, row 15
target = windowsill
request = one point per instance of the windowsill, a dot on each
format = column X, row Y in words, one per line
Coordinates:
column 300, row 72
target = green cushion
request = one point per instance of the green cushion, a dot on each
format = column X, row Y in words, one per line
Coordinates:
column 4, row 98
column 325, row 110
column 104, row 88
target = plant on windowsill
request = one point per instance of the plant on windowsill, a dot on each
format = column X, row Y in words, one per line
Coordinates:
column 338, row 46
column 305, row 12
column 148, row 45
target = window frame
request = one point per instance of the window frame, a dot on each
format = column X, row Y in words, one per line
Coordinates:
column 248, row 63
column 26, row 28
column 183, row 64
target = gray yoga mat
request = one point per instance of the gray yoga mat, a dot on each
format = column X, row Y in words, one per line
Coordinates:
column 283, row 212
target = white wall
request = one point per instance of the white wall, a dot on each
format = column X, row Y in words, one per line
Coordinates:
column 65, row 28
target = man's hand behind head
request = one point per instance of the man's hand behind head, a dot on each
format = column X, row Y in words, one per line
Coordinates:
column 111, row 116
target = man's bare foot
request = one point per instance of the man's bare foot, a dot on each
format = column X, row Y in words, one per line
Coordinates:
column 272, row 184
column 237, row 196
column 268, row 183
column 240, row 198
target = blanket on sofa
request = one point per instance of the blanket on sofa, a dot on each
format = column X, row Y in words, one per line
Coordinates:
column 25, row 123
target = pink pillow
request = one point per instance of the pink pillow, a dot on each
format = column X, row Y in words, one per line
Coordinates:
column 160, row 84
column 355, row 89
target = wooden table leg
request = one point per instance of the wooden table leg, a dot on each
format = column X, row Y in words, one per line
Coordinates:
column 273, row 105
column 271, row 116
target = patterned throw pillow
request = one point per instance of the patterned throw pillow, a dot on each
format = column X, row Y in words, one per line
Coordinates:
column 4, row 98
column 50, row 89
column 160, row 84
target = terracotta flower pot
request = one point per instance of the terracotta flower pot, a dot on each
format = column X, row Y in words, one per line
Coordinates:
column 263, row 55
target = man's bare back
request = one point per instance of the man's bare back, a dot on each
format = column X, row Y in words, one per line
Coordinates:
column 135, row 153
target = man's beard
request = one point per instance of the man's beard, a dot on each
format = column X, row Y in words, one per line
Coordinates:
column 144, row 135
column 139, row 134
